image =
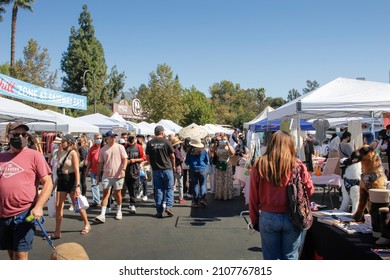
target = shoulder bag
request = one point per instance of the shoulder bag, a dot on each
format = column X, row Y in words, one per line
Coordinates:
column 298, row 202
column 59, row 168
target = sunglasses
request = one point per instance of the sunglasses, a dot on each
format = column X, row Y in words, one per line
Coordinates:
column 16, row 134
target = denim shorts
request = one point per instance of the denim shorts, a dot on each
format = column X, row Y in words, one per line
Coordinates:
column 16, row 234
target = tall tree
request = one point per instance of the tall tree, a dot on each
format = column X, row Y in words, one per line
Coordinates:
column 292, row 94
column 3, row 3
column 162, row 98
column 223, row 101
column 310, row 86
column 197, row 108
column 35, row 68
column 84, row 63
column 23, row 4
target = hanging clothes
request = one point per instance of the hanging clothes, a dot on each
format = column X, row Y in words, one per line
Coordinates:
column 321, row 127
column 355, row 128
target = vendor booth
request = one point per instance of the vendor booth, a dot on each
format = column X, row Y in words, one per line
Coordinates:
column 103, row 122
column 274, row 125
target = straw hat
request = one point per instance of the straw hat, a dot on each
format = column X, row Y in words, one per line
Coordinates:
column 196, row 143
column 175, row 141
column 57, row 140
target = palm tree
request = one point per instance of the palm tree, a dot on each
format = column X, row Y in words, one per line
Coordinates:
column 23, row 4
column 2, row 9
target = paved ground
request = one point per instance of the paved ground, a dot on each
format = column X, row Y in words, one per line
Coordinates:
column 213, row 233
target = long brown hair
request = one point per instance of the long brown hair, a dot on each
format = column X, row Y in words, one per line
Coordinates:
column 279, row 158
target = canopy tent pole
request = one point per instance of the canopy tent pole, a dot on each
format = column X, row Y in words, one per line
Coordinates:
column 372, row 125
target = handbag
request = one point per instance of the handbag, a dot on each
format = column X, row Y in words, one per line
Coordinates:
column 298, row 202
column 83, row 202
column 59, row 168
column 221, row 165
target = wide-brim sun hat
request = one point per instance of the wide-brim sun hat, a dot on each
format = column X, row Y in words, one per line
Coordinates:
column 196, row 143
column 175, row 141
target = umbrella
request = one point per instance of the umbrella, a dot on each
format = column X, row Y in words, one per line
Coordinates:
column 193, row 131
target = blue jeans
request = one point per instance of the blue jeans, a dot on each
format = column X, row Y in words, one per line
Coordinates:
column 163, row 186
column 199, row 182
column 95, row 189
column 280, row 239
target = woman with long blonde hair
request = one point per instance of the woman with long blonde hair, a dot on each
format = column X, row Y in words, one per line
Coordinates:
column 270, row 175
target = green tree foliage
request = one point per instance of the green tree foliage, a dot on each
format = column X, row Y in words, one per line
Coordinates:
column 35, row 67
column 310, row 86
column 162, row 98
column 84, row 52
column 275, row 102
column 5, row 69
column 3, row 10
column 115, row 85
column 197, row 108
column 292, row 94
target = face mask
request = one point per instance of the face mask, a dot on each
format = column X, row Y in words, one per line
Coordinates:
column 178, row 146
column 98, row 141
column 223, row 142
column 18, row 143
column 55, row 146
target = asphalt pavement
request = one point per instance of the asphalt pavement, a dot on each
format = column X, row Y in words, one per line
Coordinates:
column 216, row 232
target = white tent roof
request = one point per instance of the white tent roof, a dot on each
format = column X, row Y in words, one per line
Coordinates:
column 145, row 128
column 129, row 125
column 103, row 122
column 341, row 97
column 263, row 115
column 11, row 111
column 170, row 125
column 65, row 123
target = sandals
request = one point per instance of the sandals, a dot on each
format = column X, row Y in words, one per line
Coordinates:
column 52, row 236
column 85, row 230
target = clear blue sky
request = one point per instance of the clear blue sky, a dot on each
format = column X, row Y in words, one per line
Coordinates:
column 277, row 45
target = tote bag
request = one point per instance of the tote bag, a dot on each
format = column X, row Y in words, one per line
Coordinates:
column 51, row 204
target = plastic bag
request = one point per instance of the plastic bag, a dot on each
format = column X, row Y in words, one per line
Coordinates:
column 83, row 202
column 51, row 204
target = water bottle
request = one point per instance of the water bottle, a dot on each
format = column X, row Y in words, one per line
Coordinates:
column 76, row 206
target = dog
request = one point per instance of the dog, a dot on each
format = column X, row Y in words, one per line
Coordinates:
column 373, row 176
column 351, row 186
column 69, row 251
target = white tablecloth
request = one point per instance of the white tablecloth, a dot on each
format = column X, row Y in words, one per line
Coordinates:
column 333, row 180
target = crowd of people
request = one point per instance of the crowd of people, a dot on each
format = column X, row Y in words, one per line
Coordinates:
column 172, row 163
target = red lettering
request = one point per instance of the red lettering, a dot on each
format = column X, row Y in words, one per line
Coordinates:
column 7, row 86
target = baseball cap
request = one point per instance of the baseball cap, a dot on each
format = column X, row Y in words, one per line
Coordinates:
column 122, row 141
column 15, row 125
column 68, row 138
column 158, row 129
column 111, row 134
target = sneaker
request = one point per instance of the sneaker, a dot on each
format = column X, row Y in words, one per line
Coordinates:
column 181, row 200
column 101, row 218
column 203, row 203
column 140, row 194
column 159, row 215
column 71, row 208
column 144, row 198
column 132, row 209
column 169, row 212
column 118, row 216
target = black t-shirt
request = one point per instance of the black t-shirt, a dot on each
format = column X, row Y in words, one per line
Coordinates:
column 133, row 169
column 159, row 150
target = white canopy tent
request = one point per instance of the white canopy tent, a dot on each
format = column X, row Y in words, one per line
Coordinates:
column 341, row 97
column 169, row 125
column 11, row 111
column 128, row 124
column 263, row 115
column 103, row 122
column 145, row 128
column 65, row 123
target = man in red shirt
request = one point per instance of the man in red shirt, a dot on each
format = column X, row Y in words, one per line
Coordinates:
column 93, row 161
column 21, row 170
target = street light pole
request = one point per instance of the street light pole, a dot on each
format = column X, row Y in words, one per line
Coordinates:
column 85, row 89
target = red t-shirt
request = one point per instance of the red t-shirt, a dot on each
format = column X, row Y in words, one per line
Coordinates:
column 93, row 158
column 20, row 174
column 265, row 196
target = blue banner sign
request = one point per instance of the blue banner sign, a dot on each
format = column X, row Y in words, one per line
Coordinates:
column 18, row 89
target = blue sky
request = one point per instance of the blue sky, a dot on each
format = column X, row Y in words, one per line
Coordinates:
column 277, row 45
